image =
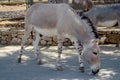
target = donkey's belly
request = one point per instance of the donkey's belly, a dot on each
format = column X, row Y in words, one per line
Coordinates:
column 47, row 32
column 107, row 23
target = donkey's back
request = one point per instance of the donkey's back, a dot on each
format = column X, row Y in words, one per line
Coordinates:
column 50, row 18
column 106, row 16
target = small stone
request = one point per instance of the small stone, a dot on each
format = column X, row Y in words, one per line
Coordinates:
column 3, row 42
column 43, row 42
column 20, row 36
column 55, row 39
column 19, row 41
column 49, row 43
column 3, row 33
column 47, row 39
column 14, row 35
column 14, row 41
column 30, row 41
column 67, row 44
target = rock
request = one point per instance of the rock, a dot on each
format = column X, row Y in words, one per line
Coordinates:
column 30, row 41
column 43, row 42
column 4, row 33
column 54, row 39
column 4, row 42
column 14, row 41
column 49, row 39
column 18, row 41
column 20, row 36
column 49, row 43
column 14, row 35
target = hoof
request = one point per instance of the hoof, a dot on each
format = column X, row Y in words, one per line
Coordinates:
column 40, row 62
column 59, row 68
column 82, row 69
column 19, row 60
column 117, row 45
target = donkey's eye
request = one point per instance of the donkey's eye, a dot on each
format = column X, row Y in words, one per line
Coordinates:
column 95, row 53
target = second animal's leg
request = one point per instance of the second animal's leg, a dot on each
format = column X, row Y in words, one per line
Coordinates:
column 118, row 18
column 36, row 48
column 79, row 49
column 59, row 64
column 118, row 44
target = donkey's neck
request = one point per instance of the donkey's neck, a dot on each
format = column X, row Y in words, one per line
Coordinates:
column 90, row 30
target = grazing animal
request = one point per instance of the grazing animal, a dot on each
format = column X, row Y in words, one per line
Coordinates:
column 76, row 4
column 60, row 20
column 105, row 16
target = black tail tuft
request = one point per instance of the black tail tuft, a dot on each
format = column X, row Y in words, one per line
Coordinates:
column 31, row 35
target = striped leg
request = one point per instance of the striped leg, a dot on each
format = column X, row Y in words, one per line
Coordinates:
column 36, row 48
column 59, row 64
column 24, row 38
column 79, row 49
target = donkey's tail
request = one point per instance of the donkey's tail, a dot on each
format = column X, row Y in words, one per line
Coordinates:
column 31, row 34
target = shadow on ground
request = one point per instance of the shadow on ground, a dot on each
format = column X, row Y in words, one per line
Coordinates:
column 29, row 70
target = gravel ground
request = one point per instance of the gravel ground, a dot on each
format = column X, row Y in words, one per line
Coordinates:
column 29, row 70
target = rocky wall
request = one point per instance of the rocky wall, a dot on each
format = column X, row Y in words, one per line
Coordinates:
column 14, row 36
column 11, row 36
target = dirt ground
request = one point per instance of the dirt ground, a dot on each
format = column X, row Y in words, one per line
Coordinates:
column 29, row 70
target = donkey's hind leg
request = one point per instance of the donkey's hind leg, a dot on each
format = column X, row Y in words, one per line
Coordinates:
column 118, row 18
column 24, row 38
column 79, row 49
column 36, row 48
column 60, row 44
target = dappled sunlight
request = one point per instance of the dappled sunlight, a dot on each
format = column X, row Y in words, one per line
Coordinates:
column 25, row 58
column 116, row 52
column 110, row 69
column 52, row 52
column 67, row 79
column 50, row 65
column 6, row 51
column 107, row 73
column 3, row 55
column 110, row 50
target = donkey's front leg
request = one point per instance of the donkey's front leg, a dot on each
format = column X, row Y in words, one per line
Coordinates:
column 36, row 48
column 59, row 64
column 79, row 49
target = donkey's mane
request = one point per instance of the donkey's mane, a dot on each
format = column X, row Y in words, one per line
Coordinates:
column 94, row 30
column 84, row 17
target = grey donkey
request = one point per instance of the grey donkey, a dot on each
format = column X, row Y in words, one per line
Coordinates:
column 105, row 16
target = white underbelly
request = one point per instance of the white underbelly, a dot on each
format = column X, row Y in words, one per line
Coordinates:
column 53, row 32
column 46, row 32
column 107, row 23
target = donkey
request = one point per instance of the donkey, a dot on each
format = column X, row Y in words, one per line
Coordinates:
column 60, row 20
column 105, row 16
column 78, row 5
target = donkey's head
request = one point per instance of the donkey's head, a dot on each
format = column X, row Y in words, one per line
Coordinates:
column 90, row 54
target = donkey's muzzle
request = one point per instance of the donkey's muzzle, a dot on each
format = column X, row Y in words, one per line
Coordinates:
column 95, row 72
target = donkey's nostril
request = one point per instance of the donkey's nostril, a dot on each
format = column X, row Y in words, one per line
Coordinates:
column 95, row 72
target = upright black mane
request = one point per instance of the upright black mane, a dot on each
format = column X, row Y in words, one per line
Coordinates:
column 83, row 16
